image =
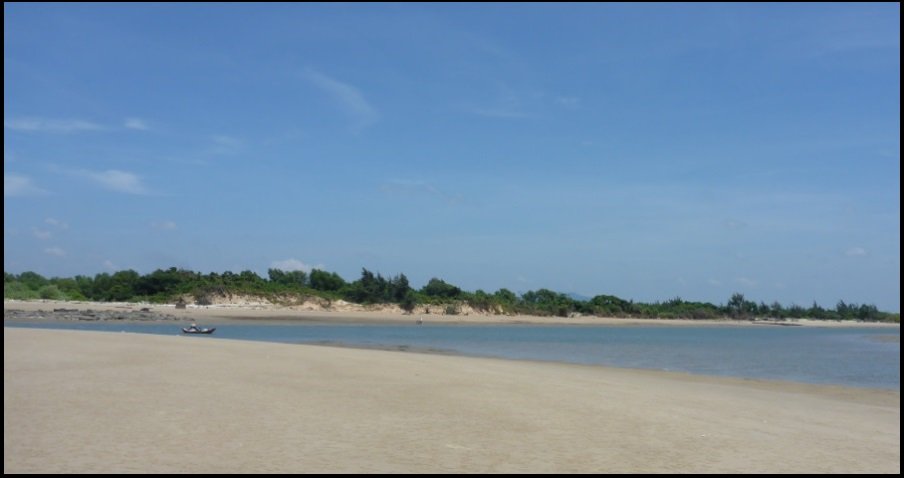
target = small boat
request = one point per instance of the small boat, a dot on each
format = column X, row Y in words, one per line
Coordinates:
column 198, row 330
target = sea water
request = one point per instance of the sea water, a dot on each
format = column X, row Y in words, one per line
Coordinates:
column 858, row 357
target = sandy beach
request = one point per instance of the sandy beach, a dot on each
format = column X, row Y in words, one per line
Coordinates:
column 87, row 402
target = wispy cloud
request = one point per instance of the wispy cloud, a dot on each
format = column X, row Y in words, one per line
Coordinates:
column 508, row 103
column 747, row 282
column 735, row 224
column 503, row 112
column 293, row 265
column 115, row 180
column 56, row 223
column 417, row 187
column 406, row 186
column 109, row 265
column 42, row 235
column 136, row 124
column 49, row 125
column 164, row 226
column 16, row 185
column 347, row 97
column 855, row 252
column 55, row 251
column 569, row 102
column 226, row 145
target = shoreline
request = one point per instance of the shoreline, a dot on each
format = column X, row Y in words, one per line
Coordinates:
column 282, row 314
column 78, row 401
column 413, row 349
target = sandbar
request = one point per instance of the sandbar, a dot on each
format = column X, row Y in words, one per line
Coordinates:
column 101, row 402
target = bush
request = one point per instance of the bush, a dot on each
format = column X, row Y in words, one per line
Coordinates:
column 51, row 292
column 18, row 291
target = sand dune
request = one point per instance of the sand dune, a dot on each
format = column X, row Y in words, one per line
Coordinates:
column 86, row 402
column 245, row 311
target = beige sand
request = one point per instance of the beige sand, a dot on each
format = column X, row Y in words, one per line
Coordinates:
column 85, row 402
column 243, row 310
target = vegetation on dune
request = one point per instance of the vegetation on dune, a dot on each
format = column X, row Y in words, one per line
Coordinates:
column 162, row 286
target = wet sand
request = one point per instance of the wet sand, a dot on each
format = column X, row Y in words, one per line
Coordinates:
column 86, row 402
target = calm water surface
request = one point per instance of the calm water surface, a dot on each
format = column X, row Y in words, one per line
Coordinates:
column 859, row 357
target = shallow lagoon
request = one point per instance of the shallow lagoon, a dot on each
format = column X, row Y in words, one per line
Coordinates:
column 857, row 357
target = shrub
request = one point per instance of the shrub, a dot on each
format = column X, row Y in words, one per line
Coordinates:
column 51, row 292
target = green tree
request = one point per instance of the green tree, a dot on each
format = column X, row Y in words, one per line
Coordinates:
column 18, row 291
column 165, row 282
column 777, row 311
column 816, row 311
column 439, row 288
column 32, row 280
column 368, row 289
column 122, row 285
column 505, row 296
column 547, row 302
column 480, row 300
column 326, row 281
column 408, row 302
column 294, row 278
column 736, row 307
column 51, row 292
column 608, row 305
column 400, row 290
column 69, row 288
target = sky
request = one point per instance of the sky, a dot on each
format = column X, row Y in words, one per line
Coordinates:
column 643, row 151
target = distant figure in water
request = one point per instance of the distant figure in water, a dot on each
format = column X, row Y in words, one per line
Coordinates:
column 193, row 326
column 420, row 321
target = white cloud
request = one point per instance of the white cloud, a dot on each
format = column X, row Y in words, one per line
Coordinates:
column 15, row 185
column 136, row 123
column 42, row 235
column 114, row 180
column 55, row 251
column 349, row 98
column 109, row 265
column 293, row 265
column 855, row 252
column 164, row 226
column 56, row 223
column 51, row 125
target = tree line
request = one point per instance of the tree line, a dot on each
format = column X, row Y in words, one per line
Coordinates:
column 162, row 286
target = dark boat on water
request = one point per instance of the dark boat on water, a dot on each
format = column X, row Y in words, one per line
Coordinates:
column 196, row 330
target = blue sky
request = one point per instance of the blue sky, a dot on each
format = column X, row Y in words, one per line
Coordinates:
column 642, row 151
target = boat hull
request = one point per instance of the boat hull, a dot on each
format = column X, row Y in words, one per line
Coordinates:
column 198, row 331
